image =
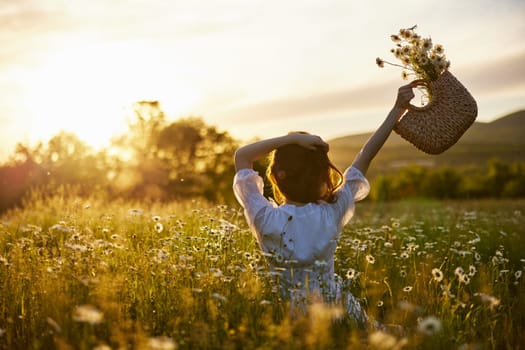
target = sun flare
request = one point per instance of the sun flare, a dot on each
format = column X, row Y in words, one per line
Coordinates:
column 89, row 90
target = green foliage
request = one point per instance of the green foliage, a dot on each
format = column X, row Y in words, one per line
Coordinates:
column 499, row 180
column 178, row 160
column 155, row 159
column 81, row 272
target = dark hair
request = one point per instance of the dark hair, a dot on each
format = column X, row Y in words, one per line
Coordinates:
column 298, row 174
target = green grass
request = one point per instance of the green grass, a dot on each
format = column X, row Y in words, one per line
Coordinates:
column 88, row 273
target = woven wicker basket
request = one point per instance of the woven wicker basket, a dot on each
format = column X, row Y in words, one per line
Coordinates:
column 437, row 126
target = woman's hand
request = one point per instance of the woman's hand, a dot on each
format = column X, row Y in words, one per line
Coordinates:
column 405, row 94
column 309, row 141
column 246, row 155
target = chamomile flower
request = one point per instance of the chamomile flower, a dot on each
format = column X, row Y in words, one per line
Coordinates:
column 161, row 343
column 429, row 326
column 278, row 257
column 382, row 340
column 419, row 55
column 219, row 297
column 370, row 259
column 350, row 274
column 426, row 44
column 395, row 38
column 438, row 48
column 405, row 33
column 88, row 314
column 437, row 274
column 459, row 271
column 465, row 279
column 490, row 300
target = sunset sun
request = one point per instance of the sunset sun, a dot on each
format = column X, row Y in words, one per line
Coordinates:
column 89, row 90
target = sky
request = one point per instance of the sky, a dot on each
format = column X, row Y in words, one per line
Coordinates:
column 252, row 68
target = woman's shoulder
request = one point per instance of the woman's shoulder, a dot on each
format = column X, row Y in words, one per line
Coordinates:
column 352, row 173
column 245, row 173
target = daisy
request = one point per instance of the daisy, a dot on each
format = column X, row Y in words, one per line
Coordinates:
column 88, row 314
column 426, row 44
column 395, row 38
column 459, row 271
column 437, row 274
column 464, row 279
column 430, row 325
column 161, row 343
column 350, row 274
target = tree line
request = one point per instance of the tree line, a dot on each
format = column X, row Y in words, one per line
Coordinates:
column 166, row 161
column 154, row 160
column 495, row 179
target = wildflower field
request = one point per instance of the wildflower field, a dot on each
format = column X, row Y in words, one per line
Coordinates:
column 87, row 273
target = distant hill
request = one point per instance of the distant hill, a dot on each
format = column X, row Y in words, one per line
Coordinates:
column 503, row 138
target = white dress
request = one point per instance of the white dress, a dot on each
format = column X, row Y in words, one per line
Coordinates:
column 300, row 241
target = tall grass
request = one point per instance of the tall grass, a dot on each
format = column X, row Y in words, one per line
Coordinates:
column 87, row 273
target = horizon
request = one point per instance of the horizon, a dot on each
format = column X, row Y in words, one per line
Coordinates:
column 254, row 70
column 331, row 139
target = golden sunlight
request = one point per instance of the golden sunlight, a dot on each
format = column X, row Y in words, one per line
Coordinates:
column 88, row 90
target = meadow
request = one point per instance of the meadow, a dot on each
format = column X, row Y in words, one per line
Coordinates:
column 89, row 273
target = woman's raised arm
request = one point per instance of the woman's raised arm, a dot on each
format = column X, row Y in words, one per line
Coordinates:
column 378, row 139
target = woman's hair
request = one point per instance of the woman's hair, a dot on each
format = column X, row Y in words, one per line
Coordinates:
column 300, row 174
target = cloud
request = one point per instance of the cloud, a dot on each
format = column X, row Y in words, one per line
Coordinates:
column 506, row 73
column 32, row 27
column 352, row 98
column 485, row 78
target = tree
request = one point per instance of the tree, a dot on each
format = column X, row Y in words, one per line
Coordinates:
column 68, row 160
column 441, row 183
column 498, row 174
column 64, row 160
column 175, row 160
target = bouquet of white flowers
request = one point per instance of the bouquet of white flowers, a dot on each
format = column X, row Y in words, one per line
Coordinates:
column 419, row 56
column 450, row 109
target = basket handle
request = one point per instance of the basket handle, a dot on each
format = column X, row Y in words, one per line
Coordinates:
column 429, row 88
